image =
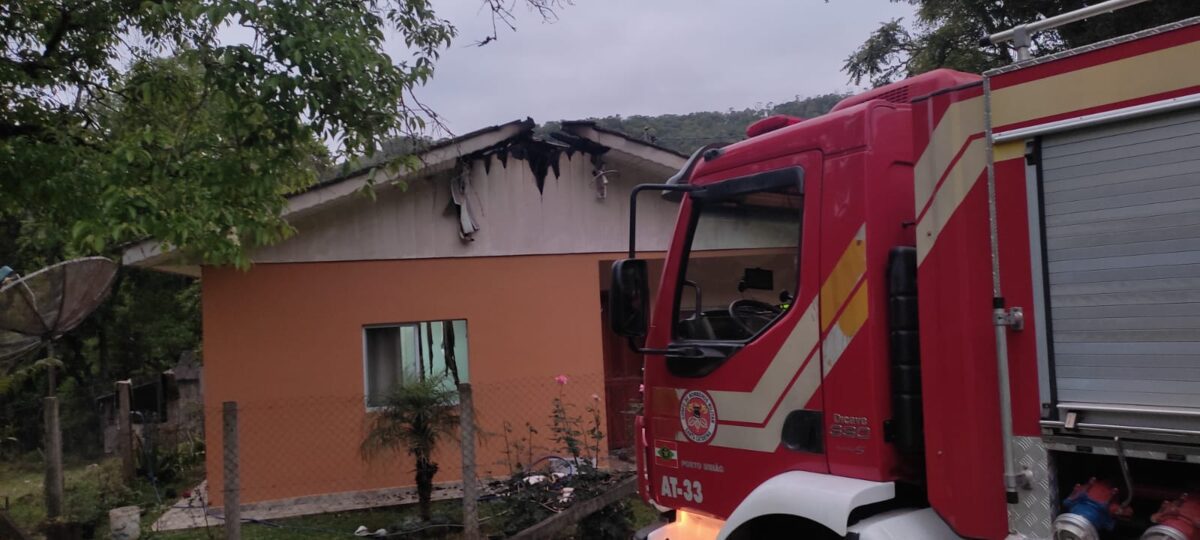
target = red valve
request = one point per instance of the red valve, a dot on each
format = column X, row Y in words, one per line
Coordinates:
column 1178, row 520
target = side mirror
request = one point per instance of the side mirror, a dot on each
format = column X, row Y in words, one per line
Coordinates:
column 629, row 298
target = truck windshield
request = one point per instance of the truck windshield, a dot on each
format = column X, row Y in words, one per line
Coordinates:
column 741, row 266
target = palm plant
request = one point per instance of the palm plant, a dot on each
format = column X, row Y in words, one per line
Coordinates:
column 414, row 418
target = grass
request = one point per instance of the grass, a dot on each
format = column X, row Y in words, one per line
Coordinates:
column 94, row 488
column 643, row 514
column 343, row 524
column 21, row 489
column 309, row 527
column 21, row 484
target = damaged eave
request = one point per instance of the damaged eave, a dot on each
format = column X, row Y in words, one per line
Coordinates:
column 651, row 156
column 609, row 151
column 438, row 158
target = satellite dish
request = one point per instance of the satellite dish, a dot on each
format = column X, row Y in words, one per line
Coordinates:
column 39, row 308
column 36, row 310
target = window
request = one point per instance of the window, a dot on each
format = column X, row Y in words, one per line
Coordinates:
column 396, row 353
column 741, row 266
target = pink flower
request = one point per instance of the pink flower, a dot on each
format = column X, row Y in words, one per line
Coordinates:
column 561, row 379
column 642, row 388
column 595, row 397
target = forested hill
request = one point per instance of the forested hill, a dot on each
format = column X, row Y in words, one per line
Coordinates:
column 686, row 132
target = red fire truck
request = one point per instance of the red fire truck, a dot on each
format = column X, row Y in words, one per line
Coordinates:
column 955, row 306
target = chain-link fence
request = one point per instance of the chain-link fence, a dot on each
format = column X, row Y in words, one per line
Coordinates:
column 306, row 456
column 165, row 454
column 314, row 445
column 289, row 461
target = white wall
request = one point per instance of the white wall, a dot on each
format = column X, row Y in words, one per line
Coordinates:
column 514, row 218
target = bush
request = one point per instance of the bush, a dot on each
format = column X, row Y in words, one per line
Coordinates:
column 181, row 463
column 99, row 489
column 415, row 418
column 530, row 496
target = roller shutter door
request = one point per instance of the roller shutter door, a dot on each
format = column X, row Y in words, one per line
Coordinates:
column 1122, row 240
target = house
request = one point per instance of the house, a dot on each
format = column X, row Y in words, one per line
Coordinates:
column 488, row 265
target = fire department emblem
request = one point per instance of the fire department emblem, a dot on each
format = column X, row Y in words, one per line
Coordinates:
column 698, row 416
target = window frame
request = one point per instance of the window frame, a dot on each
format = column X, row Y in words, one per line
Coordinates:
column 695, row 210
column 416, row 326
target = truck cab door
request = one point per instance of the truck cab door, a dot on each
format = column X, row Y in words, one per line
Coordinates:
column 736, row 398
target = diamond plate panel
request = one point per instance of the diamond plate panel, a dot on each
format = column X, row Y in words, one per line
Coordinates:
column 1032, row 516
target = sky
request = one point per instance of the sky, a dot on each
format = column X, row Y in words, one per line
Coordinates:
column 627, row 57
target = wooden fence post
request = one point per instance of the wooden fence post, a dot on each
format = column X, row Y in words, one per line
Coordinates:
column 233, row 510
column 470, row 487
column 125, row 432
column 54, row 465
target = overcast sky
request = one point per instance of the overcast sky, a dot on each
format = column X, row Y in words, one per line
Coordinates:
column 629, row 57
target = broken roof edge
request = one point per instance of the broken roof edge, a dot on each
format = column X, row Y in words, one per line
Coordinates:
column 349, row 170
column 572, row 126
column 150, row 253
column 433, row 159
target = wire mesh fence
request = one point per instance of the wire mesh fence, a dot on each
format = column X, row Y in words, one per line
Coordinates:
column 165, row 449
column 305, row 456
column 306, row 446
column 301, row 461
column 516, row 419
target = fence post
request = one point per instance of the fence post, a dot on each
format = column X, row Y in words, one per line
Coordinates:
column 470, row 487
column 233, row 511
column 125, row 432
column 54, row 470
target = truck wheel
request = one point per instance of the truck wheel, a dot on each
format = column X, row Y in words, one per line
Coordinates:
column 781, row 527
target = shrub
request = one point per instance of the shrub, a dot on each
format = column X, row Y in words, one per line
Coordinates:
column 100, row 488
column 416, row 416
column 529, row 496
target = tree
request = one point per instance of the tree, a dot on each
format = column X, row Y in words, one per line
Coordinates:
column 416, row 416
column 143, row 327
column 189, row 121
column 947, row 33
column 687, row 132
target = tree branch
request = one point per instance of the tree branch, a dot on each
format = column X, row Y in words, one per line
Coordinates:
column 45, row 60
column 52, row 44
column 502, row 12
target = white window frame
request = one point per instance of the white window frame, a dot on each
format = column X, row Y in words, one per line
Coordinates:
column 416, row 327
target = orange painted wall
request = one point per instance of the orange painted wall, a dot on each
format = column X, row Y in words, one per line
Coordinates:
column 285, row 341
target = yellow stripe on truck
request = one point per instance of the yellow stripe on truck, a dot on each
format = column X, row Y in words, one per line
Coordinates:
column 1009, row 150
column 755, row 405
column 852, row 320
column 1111, row 82
column 961, row 178
column 843, row 312
column 766, row 438
column 845, row 275
column 1136, row 77
column 961, row 120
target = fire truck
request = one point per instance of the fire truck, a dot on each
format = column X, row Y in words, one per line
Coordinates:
column 956, row 306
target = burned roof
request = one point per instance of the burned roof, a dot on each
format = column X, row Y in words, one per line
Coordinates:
column 401, row 147
column 571, row 125
column 516, row 139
